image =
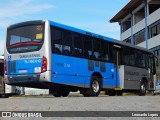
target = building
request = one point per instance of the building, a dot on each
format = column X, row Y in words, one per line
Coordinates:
column 139, row 24
column 139, row 21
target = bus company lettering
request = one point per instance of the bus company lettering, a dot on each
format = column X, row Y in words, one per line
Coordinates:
column 29, row 56
column 132, row 73
column 63, row 65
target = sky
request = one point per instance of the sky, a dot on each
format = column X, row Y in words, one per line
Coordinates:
column 89, row 15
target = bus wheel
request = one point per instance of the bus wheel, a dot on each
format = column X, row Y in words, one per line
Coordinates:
column 56, row 92
column 143, row 89
column 65, row 93
column 112, row 93
column 119, row 93
column 95, row 86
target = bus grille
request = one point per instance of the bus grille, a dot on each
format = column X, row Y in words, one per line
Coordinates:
column 12, row 66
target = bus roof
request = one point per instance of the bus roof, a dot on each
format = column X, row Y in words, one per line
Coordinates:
column 81, row 32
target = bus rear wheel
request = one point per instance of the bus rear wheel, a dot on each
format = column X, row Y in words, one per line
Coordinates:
column 56, row 93
column 65, row 93
column 143, row 89
column 112, row 93
column 59, row 91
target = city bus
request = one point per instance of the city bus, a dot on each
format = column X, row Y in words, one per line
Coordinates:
column 49, row 55
column 5, row 90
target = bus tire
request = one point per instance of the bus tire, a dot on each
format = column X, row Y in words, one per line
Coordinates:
column 86, row 95
column 56, row 92
column 95, row 86
column 119, row 93
column 112, row 93
column 143, row 89
column 65, row 93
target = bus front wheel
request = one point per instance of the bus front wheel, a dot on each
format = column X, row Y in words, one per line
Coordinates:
column 95, row 87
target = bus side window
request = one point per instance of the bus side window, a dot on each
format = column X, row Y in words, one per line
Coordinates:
column 132, row 57
column 87, row 47
column 126, row 55
column 104, row 53
column 67, row 42
column 140, row 59
column 78, row 39
column 56, row 39
column 147, row 61
column 96, row 48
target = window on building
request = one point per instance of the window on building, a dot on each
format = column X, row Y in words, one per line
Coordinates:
column 138, row 16
column 154, row 29
column 158, row 29
column 139, row 37
column 128, row 40
column 126, row 25
column 153, row 7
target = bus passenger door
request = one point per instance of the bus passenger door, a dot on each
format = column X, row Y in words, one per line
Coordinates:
column 117, row 62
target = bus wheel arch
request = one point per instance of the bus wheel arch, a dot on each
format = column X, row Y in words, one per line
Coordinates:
column 98, row 74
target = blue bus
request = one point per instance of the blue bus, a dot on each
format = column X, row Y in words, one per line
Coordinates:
column 49, row 55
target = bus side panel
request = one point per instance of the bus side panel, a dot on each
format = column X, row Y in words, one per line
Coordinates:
column 132, row 77
column 77, row 71
column 63, row 69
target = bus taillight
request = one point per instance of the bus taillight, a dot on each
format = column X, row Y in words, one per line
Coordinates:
column 5, row 67
column 44, row 64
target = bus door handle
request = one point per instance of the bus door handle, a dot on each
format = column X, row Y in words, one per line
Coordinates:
column 112, row 75
column 76, row 74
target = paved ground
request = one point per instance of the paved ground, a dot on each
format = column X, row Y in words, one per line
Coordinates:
column 106, row 103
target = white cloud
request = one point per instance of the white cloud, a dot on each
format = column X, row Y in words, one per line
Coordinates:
column 16, row 9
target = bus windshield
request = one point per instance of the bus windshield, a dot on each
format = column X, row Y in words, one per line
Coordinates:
column 25, row 38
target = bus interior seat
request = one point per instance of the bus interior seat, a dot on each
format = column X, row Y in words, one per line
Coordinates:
column 57, row 50
column 86, row 54
column 66, row 52
column 77, row 52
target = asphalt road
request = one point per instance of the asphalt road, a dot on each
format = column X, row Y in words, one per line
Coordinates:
column 106, row 103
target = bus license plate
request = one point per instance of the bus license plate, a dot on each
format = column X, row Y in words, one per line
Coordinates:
column 22, row 71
